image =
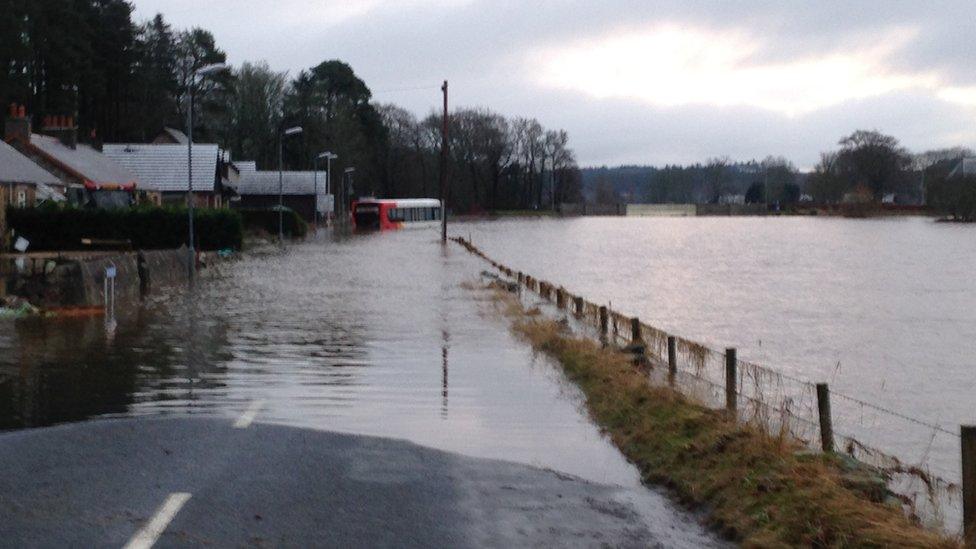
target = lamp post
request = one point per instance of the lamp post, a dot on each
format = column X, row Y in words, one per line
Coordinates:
column 191, row 85
column 328, row 156
column 281, row 179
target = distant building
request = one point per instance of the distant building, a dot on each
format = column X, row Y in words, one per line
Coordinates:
column 164, row 168
column 246, row 166
column 731, row 198
column 260, row 190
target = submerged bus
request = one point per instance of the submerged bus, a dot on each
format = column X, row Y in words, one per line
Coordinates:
column 396, row 213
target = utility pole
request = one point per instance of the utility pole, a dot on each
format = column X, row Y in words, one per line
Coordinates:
column 444, row 146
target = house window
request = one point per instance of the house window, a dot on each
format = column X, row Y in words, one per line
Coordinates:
column 21, row 201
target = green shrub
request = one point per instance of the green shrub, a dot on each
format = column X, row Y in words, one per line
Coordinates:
column 51, row 227
column 266, row 220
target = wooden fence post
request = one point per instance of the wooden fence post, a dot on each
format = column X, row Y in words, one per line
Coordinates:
column 730, row 379
column 604, row 321
column 968, row 435
column 521, row 278
column 672, row 359
column 560, row 298
column 578, row 302
column 826, row 427
column 635, row 331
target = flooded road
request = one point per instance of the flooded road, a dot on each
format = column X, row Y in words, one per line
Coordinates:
column 370, row 335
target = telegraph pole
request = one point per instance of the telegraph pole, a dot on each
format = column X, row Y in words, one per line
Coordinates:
column 444, row 147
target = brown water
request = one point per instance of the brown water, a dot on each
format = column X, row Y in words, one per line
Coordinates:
column 370, row 335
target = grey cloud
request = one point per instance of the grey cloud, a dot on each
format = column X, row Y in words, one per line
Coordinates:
column 479, row 45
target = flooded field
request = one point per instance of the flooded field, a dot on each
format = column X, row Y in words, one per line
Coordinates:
column 369, row 335
column 883, row 310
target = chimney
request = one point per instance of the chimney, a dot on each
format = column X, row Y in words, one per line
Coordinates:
column 63, row 128
column 17, row 125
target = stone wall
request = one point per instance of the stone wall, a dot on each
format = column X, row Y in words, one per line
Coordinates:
column 662, row 210
column 584, row 208
column 162, row 270
column 81, row 282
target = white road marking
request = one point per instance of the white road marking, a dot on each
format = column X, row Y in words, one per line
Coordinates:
column 147, row 536
column 248, row 416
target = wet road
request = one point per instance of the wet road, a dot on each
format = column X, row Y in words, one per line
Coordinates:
column 372, row 335
column 281, row 486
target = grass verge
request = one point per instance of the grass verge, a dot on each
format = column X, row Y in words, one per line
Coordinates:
column 760, row 490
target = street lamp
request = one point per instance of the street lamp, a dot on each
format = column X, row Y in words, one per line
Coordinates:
column 328, row 156
column 191, row 85
column 295, row 130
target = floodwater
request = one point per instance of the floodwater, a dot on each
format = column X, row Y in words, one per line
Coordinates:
column 373, row 334
column 882, row 309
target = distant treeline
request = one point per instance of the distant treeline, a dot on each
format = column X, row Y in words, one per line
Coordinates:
column 868, row 166
column 705, row 183
column 124, row 82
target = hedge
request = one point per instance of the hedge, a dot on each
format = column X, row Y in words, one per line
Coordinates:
column 51, row 227
column 266, row 220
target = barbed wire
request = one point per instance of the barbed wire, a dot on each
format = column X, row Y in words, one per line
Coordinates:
column 894, row 413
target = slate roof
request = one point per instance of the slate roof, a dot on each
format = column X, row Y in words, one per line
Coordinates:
column 293, row 183
column 246, row 166
column 17, row 168
column 163, row 167
column 86, row 162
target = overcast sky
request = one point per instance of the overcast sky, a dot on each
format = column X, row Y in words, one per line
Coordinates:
column 642, row 81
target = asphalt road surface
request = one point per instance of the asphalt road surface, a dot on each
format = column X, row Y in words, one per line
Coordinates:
column 220, row 483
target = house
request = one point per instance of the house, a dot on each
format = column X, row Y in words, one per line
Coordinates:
column 22, row 184
column 84, row 175
column 164, row 167
column 298, row 189
column 732, row 198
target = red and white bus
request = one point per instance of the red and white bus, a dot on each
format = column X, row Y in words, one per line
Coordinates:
column 396, row 213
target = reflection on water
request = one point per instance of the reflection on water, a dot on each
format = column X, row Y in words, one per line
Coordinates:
column 371, row 334
column 444, row 377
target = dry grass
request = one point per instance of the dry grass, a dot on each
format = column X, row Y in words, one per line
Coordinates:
column 756, row 489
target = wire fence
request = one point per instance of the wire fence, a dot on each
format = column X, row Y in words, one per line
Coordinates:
column 914, row 465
